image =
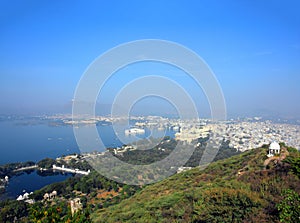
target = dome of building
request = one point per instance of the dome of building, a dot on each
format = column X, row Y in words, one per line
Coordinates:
column 275, row 146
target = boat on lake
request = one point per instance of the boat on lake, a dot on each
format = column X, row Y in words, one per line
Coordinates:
column 134, row 131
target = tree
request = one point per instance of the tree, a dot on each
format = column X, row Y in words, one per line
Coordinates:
column 83, row 200
column 295, row 165
column 59, row 212
column 46, row 163
column 11, row 209
column 289, row 207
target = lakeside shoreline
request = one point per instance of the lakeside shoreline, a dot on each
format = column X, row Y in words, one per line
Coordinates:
column 44, row 168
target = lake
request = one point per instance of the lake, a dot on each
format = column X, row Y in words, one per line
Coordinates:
column 29, row 182
column 20, row 142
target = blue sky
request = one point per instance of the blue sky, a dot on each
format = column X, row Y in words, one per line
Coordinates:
column 253, row 47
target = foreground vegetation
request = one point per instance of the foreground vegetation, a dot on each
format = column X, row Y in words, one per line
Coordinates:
column 237, row 189
column 95, row 191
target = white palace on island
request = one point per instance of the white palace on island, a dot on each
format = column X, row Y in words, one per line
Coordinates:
column 63, row 168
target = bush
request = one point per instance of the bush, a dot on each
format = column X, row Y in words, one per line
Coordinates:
column 289, row 207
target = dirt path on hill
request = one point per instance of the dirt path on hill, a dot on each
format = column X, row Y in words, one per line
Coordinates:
column 283, row 154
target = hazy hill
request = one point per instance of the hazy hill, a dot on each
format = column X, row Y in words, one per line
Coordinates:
column 237, row 189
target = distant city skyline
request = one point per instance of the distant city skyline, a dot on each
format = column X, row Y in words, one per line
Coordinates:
column 253, row 48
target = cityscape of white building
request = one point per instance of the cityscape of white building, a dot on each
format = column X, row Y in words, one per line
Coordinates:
column 243, row 134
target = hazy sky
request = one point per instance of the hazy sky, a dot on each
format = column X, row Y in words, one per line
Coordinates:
column 252, row 46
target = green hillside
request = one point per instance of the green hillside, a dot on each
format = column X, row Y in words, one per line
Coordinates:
column 237, row 189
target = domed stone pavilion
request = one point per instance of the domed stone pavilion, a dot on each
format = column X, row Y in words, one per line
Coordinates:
column 274, row 149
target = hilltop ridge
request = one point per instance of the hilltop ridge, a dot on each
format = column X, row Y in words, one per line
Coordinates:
column 241, row 188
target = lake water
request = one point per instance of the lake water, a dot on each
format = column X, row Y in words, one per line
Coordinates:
column 30, row 182
column 21, row 142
